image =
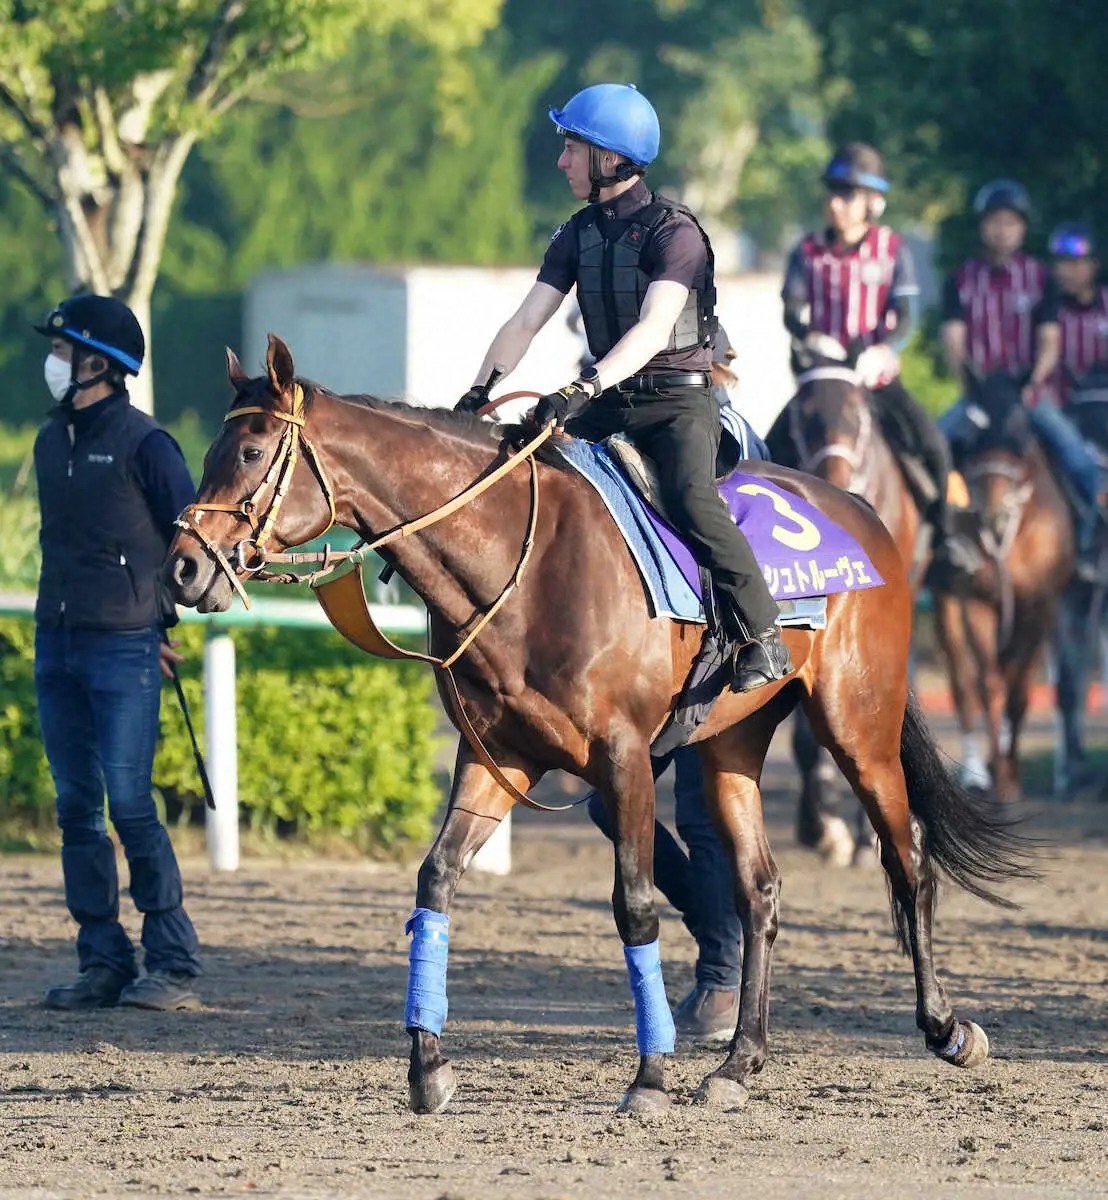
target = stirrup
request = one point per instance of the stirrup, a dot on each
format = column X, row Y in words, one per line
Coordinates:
column 764, row 659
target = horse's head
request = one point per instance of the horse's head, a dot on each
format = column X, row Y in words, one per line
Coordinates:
column 250, row 496
column 992, row 449
column 829, row 418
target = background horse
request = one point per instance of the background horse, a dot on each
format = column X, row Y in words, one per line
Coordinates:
column 828, row 430
column 992, row 633
column 574, row 673
column 1082, row 616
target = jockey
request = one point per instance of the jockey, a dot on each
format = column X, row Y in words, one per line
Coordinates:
column 1000, row 313
column 852, row 289
column 643, row 270
column 1082, row 307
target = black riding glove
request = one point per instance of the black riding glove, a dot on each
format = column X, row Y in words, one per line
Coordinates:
column 562, row 405
column 475, row 398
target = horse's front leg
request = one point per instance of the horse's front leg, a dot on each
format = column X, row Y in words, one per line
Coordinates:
column 477, row 805
column 628, row 796
column 950, row 625
column 1073, row 649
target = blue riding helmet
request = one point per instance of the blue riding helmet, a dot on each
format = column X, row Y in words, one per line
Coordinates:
column 103, row 324
column 1000, row 194
column 857, row 165
column 1073, row 239
column 613, row 116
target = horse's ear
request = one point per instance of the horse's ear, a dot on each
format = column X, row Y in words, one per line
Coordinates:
column 279, row 365
column 235, row 372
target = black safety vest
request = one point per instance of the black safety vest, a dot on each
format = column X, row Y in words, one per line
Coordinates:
column 611, row 286
column 101, row 551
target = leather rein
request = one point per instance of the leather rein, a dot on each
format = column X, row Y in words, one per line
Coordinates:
column 250, row 556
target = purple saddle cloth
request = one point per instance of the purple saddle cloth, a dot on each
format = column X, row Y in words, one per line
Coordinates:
column 801, row 551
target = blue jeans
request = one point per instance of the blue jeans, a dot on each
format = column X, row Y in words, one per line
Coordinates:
column 1066, row 445
column 698, row 885
column 98, row 698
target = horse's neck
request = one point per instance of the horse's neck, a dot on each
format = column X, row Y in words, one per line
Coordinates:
column 388, row 469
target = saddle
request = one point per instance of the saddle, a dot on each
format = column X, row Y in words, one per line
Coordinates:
column 643, row 474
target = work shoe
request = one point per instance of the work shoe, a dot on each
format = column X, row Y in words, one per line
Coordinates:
column 96, row 987
column 761, row 661
column 166, row 991
column 707, row 1014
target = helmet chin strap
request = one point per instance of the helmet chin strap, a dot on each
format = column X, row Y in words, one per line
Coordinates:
column 624, row 171
column 79, row 385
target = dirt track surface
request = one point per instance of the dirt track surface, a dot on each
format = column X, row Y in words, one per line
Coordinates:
column 290, row 1082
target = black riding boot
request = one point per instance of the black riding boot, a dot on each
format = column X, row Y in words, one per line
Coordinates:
column 764, row 659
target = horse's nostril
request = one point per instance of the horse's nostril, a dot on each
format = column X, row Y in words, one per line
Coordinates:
column 184, row 569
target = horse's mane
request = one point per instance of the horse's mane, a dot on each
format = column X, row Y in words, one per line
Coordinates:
column 475, row 430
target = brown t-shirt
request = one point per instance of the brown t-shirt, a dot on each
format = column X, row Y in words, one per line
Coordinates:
column 674, row 251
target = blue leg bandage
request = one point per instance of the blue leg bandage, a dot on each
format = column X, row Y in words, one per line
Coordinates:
column 653, row 1020
column 426, row 1005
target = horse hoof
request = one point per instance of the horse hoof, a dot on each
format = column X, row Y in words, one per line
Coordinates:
column 968, row 1046
column 836, row 845
column 716, row 1091
column 432, row 1093
column 643, row 1101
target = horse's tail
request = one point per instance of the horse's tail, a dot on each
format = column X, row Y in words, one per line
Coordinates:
column 968, row 836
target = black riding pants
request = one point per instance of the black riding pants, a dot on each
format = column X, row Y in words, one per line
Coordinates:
column 679, row 430
column 907, row 427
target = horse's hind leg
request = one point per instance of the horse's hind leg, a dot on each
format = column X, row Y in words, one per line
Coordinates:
column 732, row 769
column 477, row 804
column 868, row 749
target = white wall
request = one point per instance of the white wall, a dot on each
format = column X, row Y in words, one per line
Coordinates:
column 421, row 332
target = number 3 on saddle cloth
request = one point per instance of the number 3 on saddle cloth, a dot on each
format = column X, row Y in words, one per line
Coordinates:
column 804, row 556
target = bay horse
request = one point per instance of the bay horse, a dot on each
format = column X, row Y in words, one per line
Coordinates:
column 828, row 429
column 993, row 630
column 574, row 673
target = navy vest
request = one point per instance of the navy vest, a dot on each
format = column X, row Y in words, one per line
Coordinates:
column 101, row 551
column 611, row 285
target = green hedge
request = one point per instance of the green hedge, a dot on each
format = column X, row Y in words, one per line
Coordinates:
column 330, row 740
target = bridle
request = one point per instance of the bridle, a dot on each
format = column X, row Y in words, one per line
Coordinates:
column 857, row 455
column 997, row 546
column 280, row 470
column 293, row 438
column 279, row 474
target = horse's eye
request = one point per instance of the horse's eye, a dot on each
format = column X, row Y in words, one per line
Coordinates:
column 251, row 454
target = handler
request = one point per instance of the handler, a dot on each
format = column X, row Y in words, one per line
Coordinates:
column 111, row 482
column 643, row 269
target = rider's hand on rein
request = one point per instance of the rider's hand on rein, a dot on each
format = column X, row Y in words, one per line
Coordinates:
column 562, row 405
column 475, row 398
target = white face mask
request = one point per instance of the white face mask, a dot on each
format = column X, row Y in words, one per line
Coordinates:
column 59, row 375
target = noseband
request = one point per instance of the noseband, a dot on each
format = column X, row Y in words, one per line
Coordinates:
column 856, row 455
column 249, row 555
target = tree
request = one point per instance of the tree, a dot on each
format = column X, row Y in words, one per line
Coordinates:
column 736, row 84
column 101, row 103
column 957, row 92
column 326, row 169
